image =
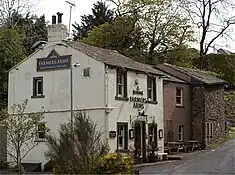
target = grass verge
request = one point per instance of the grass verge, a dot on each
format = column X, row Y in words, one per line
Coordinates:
column 222, row 140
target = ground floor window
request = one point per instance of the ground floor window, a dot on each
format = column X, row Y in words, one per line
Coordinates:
column 122, row 136
column 181, row 132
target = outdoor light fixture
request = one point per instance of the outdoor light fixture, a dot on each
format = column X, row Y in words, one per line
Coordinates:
column 160, row 133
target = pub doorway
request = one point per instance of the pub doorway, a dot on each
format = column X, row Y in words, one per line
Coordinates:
column 140, row 141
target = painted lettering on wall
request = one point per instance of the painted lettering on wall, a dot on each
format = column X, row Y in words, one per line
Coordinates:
column 55, row 63
column 138, row 102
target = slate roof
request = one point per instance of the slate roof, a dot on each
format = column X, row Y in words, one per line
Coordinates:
column 113, row 58
column 201, row 76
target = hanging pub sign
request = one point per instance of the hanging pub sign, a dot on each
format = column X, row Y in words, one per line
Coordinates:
column 55, row 63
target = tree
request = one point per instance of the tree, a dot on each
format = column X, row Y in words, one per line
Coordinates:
column 11, row 52
column 100, row 15
column 76, row 153
column 121, row 35
column 213, row 18
column 9, row 7
column 31, row 27
column 21, row 129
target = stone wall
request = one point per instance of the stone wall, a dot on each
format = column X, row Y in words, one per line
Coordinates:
column 214, row 107
column 198, row 113
column 229, row 97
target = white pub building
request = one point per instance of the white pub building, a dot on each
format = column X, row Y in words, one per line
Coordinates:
column 124, row 97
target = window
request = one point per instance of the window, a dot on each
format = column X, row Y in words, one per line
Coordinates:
column 179, row 96
column 151, row 87
column 181, row 133
column 38, row 87
column 41, row 131
column 86, row 72
column 122, row 136
column 152, row 130
column 121, row 90
column 209, row 129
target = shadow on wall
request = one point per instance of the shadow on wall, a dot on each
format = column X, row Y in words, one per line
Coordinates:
column 3, row 145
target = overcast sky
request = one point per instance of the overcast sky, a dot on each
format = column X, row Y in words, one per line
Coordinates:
column 51, row 7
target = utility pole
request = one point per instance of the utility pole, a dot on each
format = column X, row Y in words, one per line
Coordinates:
column 71, row 6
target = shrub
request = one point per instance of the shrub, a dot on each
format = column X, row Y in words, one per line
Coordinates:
column 3, row 165
column 114, row 163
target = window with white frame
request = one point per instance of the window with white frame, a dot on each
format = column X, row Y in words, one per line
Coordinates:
column 37, row 87
column 179, row 96
column 181, row 133
column 41, row 131
column 151, row 87
column 121, row 90
column 86, row 72
column 122, row 136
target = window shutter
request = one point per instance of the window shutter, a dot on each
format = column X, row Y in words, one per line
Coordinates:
column 154, row 90
column 117, row 82
column 125, row 84
column 126, row 136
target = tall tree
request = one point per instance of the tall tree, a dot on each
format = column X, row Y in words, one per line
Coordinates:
column 31, row 27
column 100, row 15
column 214, row 18
column 11, row 52
column 9, row 7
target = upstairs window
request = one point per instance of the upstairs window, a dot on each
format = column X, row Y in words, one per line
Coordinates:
column 121, row 89
column 86, row 72
column 38, row 87
column 179, row 97
column 151, row 88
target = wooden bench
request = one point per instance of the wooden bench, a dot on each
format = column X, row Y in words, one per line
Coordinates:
column 192, row 144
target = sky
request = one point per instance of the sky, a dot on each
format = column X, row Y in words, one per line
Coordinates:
column 51, row 7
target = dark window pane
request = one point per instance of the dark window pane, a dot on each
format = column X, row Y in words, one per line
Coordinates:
column 178, row 100
column 39, row 87
column 86, row 72
column 178, row 92
column 120, row 87
column 149, row 93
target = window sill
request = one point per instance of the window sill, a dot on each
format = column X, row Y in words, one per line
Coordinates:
column 41, row 96
column 153, row 102
column 180, row 106
column 122, row 98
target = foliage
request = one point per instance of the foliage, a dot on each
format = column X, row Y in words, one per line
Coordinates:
column 76, row 153
column 3, row 165
column 21, row 132
column 114, row 163
column 100, row 15
column 31, row 27
column 222, row 64
column 120, row 35
column 11, row 52
column 206, row 15
column 229, row 98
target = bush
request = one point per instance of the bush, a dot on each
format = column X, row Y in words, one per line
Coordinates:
column 114, row 163
column 3, row 165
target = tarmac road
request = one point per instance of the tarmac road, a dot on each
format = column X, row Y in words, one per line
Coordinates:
column 212, row 162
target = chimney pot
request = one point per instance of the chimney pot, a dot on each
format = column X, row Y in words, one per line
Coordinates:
column 53, row 19
column 59, row 17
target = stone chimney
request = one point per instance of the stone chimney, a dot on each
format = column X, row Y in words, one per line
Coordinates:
column 57, row 31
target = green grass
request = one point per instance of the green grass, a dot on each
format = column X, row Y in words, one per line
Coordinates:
column 221, row 141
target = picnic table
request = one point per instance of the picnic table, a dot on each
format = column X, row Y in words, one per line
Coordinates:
column 191, row 144
column 177, row 146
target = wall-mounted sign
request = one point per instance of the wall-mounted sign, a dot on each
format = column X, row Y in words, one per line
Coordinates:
column 131, row 133
column 137, row 91
column 160, row 133
column 55, row 63
column 112, row 134
column 138, row 102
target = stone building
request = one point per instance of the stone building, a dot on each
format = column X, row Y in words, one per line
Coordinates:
column 207, row 102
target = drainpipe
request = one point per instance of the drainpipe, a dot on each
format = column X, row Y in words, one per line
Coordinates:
column 106, row 124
